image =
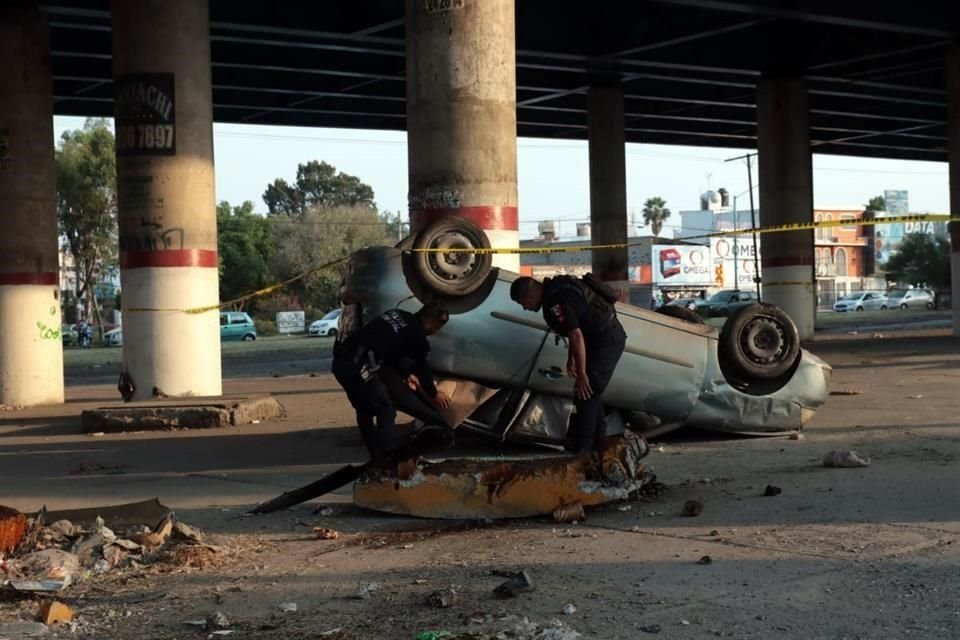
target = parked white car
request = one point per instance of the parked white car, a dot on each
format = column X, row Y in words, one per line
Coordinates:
column 325, row 326
column 861, row 301
column 113, row 338
column 910, row 299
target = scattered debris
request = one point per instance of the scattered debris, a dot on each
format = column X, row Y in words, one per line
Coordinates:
column 518, row 583
column 364, row 589
column 322, row 533
column 157, row 537
column 570, row 513
column 650, row 628
column 218, row 620
column 685, row 623
column 692, row 508
column 47, row 570
column 625, row 507
column 434, row 635
column 53, row 612
column 324, row 511
column 845, row 392
column 845, row 459
column 13, row 525
column 918, row 396
column 88, row 468
column 705, row 560
column 443, row 598
column 287, row 607
column 796, row 435
column 22, row 630
column 183, row 531
column 569, row 609
column 878, row 335
column 714, row 533
column 771, row 491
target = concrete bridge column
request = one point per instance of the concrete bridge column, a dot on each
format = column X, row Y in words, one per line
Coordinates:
column 786, row 196
column 608, row 182
column 462, row 117
column 953, row 133
column 165, row 184
column 31, row 348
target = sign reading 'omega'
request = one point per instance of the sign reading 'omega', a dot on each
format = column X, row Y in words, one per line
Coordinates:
column 145, row 115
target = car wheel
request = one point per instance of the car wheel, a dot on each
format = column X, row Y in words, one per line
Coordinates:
column 859, row 308
column 883, row 307
column 681, row 313
column 249, row 337
column 760, row 341
column 903, row 306
column 332, row 333
column 929, row 306
column 452, row 274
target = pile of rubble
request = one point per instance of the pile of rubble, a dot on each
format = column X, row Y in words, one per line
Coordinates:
column 43, row 554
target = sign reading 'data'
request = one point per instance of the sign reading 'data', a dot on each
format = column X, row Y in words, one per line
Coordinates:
column 145, row 115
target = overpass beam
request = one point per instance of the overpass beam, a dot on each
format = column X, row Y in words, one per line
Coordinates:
column 608, row 180
column 31, row 349
column 165, row 183
column 953, row 133
column 462, row 117
column 786, row 196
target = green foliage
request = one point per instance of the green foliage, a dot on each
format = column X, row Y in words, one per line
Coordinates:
column 877, row 203
column 246, row 247
column 265, row 328
column 921, row 259
column 318, row 237
column 87, row 202
column 318, row 184
column 655, row 213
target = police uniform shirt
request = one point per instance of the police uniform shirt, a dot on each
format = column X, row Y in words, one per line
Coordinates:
column 398, row 341
column 563, row 308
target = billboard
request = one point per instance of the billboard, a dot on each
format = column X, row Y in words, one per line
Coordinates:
column 734, row 261
column 291, row 322
column 681, row 265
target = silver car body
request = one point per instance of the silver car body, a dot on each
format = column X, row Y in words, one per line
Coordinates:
column 910, row 299
column 861, row 301
column 670, row 369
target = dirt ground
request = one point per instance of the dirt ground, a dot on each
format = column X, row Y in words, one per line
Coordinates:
column 840, row 553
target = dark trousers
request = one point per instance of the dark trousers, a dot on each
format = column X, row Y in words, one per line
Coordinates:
column 588, row 425
column 370, row 400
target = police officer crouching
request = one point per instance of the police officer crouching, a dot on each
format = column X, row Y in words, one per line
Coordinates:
column 582, row 311
column 397, row 340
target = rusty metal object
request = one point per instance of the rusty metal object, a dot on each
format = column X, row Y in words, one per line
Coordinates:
column 13, row 525
column 506, row 488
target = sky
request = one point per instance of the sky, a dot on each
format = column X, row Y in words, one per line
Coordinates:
column 553, row 176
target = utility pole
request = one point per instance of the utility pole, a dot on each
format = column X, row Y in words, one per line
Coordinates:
column 753, row 218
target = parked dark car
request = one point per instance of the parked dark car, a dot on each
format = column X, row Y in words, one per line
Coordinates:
column 723, row 303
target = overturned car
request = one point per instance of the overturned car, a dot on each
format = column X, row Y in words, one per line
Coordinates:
column 506, row 372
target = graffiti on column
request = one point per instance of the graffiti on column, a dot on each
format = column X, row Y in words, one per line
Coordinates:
column 438, row 6
column 48, row 332
column 4, row 149
column 145, row 115
column 152, row 235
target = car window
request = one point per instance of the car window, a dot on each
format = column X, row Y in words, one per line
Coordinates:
column 332, row 315
column 869, row 296
column 223, row 319
column 238, row 320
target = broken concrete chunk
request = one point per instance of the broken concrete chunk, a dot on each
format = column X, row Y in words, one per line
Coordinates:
column 692, row 508
column 569, row 609
column 183, row 531
column 845, row 459
column 443, row 598
column 364, row 589
column 288, row 607
column 64, row 528
column 218, row 620
column 53, row 612
column 517, row 584
column 322, row 533
column 52, row 565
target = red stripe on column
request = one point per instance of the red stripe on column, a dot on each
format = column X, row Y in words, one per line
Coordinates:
column 787, row 261
column 50, row 278
column 169, row 258
column 487, row 218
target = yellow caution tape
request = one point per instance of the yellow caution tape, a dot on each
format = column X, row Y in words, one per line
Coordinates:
column 780, row 228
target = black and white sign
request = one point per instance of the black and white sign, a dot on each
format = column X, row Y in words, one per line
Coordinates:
column 145, row 115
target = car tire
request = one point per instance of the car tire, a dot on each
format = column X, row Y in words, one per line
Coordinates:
column 929, row 306
column 859, row 308
column 680, row 313
column 332, row 333
column 249, row 337
column 455, row 274
column 904, row 306
column 883, row 307
column 759, row 342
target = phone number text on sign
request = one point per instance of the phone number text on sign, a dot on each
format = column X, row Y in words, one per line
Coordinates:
column 437, row 6
column 145, row 114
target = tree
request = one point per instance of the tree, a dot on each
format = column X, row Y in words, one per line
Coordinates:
column 318, row 184
column 655, row 213
column 87, row 205
column 395, row 229
column 921, row 259
column 877, row 203
column 246, row 245
column 320, row 236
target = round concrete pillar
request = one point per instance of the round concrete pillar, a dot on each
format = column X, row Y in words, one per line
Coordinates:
column 31, row 349
column 786, row 196
column 165, row 184
column 608, row 183
column 953, row 133
column 462, row 116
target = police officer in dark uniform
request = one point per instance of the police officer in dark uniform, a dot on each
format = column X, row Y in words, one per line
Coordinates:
column 397, row 340
column 582, row 311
